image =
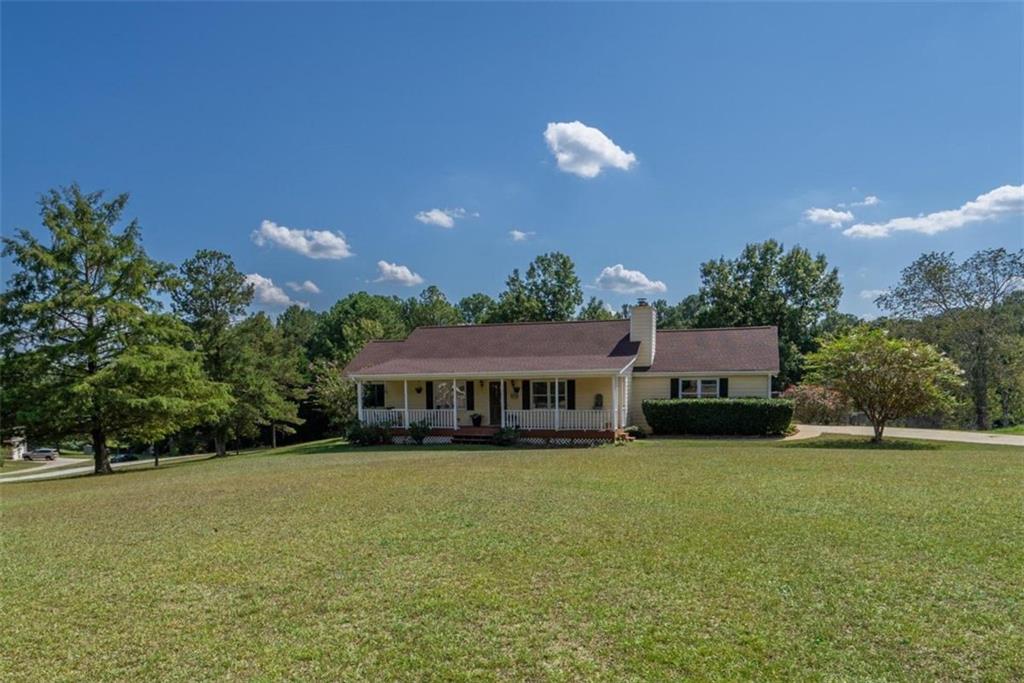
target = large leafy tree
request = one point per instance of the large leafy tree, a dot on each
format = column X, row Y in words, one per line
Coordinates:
column 596, row 309
column 86, row 349
column 552, row 282
column 965, row 308
column 680, row 316
column 767, row 285
column 477, row 308
column 885, row 377
column 551, row 290
column 264, row 372
column 431, row 307
column 249, row 355
column 344, row 328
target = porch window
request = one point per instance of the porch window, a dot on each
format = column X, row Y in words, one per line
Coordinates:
column 542, row 394
column 698, row 388
column 443, row 395
column 373, row 395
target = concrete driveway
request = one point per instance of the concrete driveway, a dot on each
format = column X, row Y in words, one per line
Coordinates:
column 810, row 431
column 48, row 471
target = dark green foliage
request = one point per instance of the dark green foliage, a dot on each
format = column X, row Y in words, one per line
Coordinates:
column 86, row 349
column 345, row 327
column 596, row 309
column 419, row 431
column 719, row 416
column 476, row 308
column 550, row 291
column 767, row 285
column 506, row 436
column 972, row 311
column 369, row 435
column 430, row 308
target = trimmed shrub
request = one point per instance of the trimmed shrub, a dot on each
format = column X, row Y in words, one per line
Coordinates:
column 507, row 436
column 719, row 416
column 369, row 435
column 818, row 405
column 419, row 431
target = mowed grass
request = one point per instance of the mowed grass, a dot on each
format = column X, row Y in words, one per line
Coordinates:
column 657, row 560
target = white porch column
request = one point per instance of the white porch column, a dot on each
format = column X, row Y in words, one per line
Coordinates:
column 455, row 405
column 359, row 400
column 502, row 404
column 558, row 413
column 405, row 406
column 615, row 402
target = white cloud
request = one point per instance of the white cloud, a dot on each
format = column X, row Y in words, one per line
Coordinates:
column 872, row 294
column 618, row 279
column 269, row 294
column 520, row 235
column 585, row 151
column 1002, row 201
column 316, row 244
column 831, row 217
column 392, row 272
column 444, row 218
column 305, row 286
column 870, row 200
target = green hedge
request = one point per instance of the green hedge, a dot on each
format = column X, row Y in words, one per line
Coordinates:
column 719, row 416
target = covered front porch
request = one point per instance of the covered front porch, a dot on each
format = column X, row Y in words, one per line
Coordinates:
column 579, row 404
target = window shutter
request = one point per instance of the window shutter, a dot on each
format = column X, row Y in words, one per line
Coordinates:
column 526, row 394
column 380, row 395
column 674, row 389
column 570, row 394
column 723, row 387
column 470, row 402
column 430, row 395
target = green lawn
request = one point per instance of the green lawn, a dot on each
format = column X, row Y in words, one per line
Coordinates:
column 1015, row 429
column 657, row 560
column 19, row 465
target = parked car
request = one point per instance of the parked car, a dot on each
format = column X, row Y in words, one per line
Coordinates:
column 124, row 457
column 42, row 454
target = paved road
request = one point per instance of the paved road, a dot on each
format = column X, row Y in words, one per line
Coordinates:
column 809, row 431
column 44, row 472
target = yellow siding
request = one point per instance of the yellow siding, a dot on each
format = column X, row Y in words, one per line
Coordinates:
column 749, row 385
column 645, row 388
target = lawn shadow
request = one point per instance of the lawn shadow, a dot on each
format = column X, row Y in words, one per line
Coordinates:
column 834, row 442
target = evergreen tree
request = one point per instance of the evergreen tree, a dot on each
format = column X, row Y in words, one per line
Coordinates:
column 86, row 350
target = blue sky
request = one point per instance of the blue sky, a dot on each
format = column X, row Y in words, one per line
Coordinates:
column 708, row 126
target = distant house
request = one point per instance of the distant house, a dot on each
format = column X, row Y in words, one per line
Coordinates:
column 568, row 379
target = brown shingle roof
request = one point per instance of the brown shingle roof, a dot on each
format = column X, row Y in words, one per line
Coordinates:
column 514, row 347
column 568, row 346
column 738, row 349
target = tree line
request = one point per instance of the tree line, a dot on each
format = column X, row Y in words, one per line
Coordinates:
column 100, row 341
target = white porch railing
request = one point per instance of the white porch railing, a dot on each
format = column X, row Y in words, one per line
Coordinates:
column 383, row 416
column 544, row 418
column 440, row 418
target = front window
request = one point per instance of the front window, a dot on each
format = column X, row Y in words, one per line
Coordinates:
column 373, row 395
column 698, row 388
column 542, row 394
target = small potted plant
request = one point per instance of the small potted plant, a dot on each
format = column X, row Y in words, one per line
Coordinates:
column 477, row 419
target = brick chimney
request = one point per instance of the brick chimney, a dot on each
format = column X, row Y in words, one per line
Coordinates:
column 643, row 327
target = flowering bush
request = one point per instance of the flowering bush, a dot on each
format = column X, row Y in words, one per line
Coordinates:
column 818, row 405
